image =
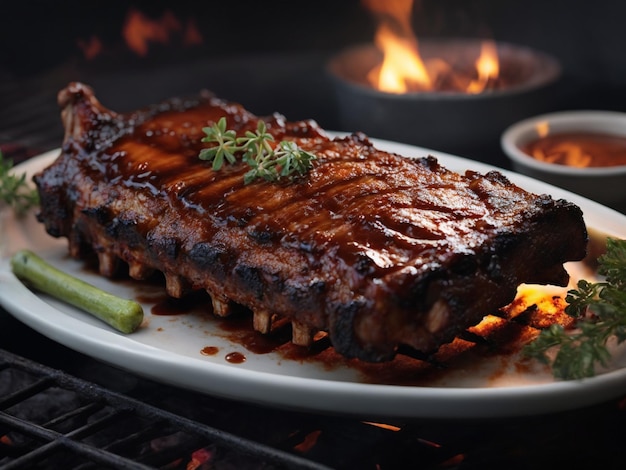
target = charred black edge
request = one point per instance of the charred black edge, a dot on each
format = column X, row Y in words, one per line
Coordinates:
column 341, row 323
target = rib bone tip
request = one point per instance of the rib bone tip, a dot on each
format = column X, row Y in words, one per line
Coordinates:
column 139, row 271
column 107, row 264
column 174, row 285
column 301, row 334
column 262, row 321
column 221, row 306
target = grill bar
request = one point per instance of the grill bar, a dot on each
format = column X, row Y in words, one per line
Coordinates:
column 61, row 443
column 24, row 393
column 116, row 408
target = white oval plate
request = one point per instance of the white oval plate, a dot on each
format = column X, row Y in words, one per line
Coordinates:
column 169, row 348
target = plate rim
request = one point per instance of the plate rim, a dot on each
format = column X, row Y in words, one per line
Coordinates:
column 332, row 396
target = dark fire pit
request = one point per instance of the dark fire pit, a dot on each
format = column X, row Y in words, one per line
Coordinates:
column 444, row 120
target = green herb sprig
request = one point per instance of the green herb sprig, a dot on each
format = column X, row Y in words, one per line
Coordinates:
column 267, row 161
column 15, row 191
column 600, row 312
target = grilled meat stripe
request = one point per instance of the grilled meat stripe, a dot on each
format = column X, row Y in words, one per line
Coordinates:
column 378, row 250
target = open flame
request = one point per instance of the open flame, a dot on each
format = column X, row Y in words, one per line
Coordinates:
column 91, row 47
column 404, row 70
column 487, row 68
column 140, row 32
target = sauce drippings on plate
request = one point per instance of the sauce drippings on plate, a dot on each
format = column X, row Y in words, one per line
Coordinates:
column 579, row 149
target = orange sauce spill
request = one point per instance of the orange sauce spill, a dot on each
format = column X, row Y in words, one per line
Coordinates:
column 579, row 149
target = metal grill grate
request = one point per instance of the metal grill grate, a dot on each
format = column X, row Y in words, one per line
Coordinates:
column 87, row 426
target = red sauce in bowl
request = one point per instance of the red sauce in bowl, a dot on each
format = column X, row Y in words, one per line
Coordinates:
column 580, row 149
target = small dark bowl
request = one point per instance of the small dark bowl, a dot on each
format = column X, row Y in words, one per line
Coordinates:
column 606, row 185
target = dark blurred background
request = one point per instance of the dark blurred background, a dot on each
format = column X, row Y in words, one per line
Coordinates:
column 271, row 55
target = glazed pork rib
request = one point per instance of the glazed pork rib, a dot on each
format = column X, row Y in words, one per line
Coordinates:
column 378, row 250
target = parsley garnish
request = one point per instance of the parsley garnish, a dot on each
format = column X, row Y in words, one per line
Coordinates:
column 266, row 160
column 600, row 311
column 14, row 189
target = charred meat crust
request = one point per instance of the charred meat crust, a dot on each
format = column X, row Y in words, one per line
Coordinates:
column 379, row 250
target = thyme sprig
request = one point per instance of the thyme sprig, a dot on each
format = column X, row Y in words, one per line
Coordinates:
column 15, row 191
column 266, row 159
column 600, row 312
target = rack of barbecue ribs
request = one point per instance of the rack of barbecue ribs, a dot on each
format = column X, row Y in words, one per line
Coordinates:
column 377, row 250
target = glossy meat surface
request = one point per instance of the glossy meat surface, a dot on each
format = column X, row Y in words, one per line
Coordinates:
column 377, row 249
